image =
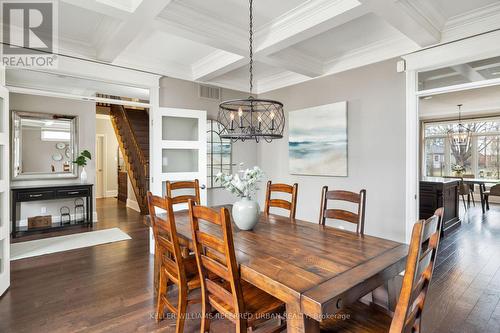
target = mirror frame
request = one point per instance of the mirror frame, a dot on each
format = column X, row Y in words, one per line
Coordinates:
column 16, row 147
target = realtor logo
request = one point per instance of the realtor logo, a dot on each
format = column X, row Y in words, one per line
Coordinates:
column 29, row 33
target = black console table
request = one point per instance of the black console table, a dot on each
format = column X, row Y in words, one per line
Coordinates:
column 50, row 192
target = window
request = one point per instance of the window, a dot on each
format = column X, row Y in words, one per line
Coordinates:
column 219, row 153
column 480, row 157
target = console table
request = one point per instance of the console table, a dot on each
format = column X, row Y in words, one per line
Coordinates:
column 50, row 192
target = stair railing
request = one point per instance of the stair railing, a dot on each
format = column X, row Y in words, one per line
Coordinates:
column 141, row 170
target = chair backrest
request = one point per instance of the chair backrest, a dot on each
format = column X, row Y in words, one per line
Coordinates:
column 419, row 267
column 281, row 203
column 166, row 238
column 495, row 190
column 183, row 185
column 357, row 218
column 215, row 255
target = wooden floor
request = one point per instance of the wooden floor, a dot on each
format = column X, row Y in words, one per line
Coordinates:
column 108, row 288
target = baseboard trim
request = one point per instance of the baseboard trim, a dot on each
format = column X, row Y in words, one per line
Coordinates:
column 132, row 204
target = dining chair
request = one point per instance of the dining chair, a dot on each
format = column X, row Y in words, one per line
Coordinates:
column 183, row 185
column 175, row 268
column 493, row 191
column 222, row 288
column 357, row 218
column 416, row 281
column 471, row 187
column 463, row 190
column 281, row 203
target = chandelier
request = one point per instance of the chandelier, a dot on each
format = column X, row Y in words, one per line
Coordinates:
column 251, row 118
column 461, row 136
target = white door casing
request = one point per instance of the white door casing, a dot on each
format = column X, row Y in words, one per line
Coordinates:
column 4, row 186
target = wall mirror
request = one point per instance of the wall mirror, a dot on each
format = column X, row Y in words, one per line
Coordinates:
column 43, row 145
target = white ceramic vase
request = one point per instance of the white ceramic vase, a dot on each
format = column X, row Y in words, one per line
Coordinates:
column 246, row 213
column 83, row 176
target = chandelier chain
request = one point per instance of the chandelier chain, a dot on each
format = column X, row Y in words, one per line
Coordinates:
column 251, row 46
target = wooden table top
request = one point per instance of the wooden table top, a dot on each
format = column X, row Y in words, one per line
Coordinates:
column 298, row 260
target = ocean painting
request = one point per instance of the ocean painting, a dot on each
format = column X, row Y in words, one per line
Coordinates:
column 317, row 140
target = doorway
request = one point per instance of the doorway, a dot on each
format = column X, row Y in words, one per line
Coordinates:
column 100, row 153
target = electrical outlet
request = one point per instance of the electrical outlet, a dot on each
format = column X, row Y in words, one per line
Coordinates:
column 43, row 210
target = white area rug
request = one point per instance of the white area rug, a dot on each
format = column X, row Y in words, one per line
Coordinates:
column 65, row 243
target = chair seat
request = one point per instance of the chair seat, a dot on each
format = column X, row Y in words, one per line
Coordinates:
column 191, row 271
column 257, row 303
column 358, row 317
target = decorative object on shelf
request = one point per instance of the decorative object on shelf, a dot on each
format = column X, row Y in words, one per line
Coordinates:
column 460, row 136
column 80, row 210
column 81, row 161
column 65, row 215
column 60, row 145
column 219, row 154
column 246, row 211
column 67, row 152
column 458, row 170
column 57, row 157
column 36, row 222
column 317, row 140
column 251, row 118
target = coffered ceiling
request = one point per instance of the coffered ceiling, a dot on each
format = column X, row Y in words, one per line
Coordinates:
column 295, row 40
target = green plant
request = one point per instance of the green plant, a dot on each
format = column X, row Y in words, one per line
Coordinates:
column 81, row 160
column 243, row 184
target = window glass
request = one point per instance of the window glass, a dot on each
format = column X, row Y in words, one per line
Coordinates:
column 478, row 155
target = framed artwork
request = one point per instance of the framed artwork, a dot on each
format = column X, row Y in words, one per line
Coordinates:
column 317, row 140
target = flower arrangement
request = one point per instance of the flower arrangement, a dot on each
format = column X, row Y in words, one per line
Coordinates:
column 243, row 184
column 458, row 169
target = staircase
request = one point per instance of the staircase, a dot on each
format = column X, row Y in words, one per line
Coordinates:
column 132, row 131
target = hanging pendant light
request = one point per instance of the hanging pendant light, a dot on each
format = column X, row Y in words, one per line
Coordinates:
column 460, row 137
column 251, row 118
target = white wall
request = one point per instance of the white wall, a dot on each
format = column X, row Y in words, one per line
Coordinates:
column 184, row 94
column 110, row 154
column 376, row 150
column 86, row 128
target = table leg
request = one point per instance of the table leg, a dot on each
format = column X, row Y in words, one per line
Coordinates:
column 481, row 191
column 297, row 322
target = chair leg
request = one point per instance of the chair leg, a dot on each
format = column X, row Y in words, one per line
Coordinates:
column 205, row 320
column 162, row 291
column 473, row 201
column 241, row 326
column 487, row 199
column 463, row 199
column 181, row 311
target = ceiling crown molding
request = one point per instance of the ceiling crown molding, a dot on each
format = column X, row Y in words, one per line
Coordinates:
column 472, row 23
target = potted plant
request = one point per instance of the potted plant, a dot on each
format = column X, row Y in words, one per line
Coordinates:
column 81, row 161
column 458, row 170
column 244, row 185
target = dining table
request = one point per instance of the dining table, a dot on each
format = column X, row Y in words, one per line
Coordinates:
column 481, row 182
column 314, row 270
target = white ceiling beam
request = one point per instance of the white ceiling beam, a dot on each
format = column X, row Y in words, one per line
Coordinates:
column 468, row 72
column 216, row 64
column 130, row 29
column 99, row 7
column 294, row 61
column 305, row 21
column 416, row 21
